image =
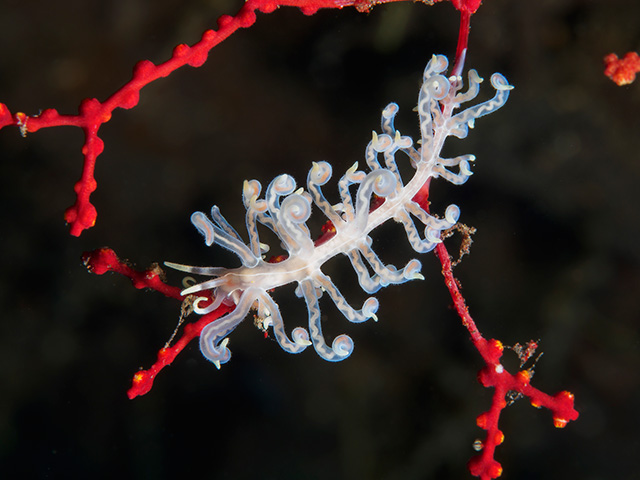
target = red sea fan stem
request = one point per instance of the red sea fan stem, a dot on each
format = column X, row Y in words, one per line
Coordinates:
column 143, row 379
column 105, row 260
column 93, row 113
column 494, row 375
column 458, row 300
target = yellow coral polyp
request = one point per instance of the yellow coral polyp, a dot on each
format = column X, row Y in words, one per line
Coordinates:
column 524, row 376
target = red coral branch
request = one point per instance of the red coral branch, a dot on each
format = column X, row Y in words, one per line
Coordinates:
column 105, row 260
column 143, row 380
column 494, row 375
column 93, row 113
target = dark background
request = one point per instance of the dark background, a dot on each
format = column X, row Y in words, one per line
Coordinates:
column 556, row 257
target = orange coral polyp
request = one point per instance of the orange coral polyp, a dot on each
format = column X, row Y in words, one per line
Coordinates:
column 622, row 70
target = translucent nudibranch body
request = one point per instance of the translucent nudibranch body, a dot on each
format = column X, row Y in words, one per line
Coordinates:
column 285, row 211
